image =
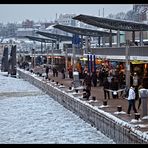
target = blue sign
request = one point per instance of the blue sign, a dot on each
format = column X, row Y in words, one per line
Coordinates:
column 76, row 40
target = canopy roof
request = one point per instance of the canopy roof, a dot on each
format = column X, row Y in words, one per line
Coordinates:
column 40, row 39
column 55, row 36
column 83, row 31
column 113, row 24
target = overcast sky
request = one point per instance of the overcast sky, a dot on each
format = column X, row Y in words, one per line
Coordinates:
column 47, row 12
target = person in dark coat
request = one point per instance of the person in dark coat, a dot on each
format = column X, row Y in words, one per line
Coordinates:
column 114, row 87
column 87, row 92
column 47, row 71
column 106, row 86
column 94, row 79
column 63, row 73
column 87, row 80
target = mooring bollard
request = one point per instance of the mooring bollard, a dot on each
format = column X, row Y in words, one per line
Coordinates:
column 119, row 108
column 104, row 102
column 93, row 98
column 137, row 116
column 69, row 88
column 52, row 80
column 76, row 90
column 57, row 83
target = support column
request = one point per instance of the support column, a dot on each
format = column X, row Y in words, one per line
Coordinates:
column 73, row 60
column 99, row 40
column 144, row 96
column 5, row 65
column 133, row 37
column 57, row 44
column 141, row 38
column 118, row 38
column 103, row 41
column 110, row 38
column 52, row 54
column 127, row 58
column 33, row 58
column 81, row 41
column 46, row 49
column 41, row 47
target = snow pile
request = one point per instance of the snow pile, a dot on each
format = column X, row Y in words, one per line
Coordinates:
column 145, row 118
column 103, row 106
column 135, row 120
column 117, row 113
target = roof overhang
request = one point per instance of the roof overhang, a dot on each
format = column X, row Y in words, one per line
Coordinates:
column 113, row 24
column 39, row 39
column 83, row 31
column 55, row 36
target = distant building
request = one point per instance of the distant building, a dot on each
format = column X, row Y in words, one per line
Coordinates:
column 21, row 32
column 66, row 19
column 27, row 24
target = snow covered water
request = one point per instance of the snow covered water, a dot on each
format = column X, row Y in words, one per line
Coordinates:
column 28, row 115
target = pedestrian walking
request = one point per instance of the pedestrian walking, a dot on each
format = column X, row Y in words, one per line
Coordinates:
column 131, row 100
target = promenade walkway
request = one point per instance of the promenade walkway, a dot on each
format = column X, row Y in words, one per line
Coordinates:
column 142, row 124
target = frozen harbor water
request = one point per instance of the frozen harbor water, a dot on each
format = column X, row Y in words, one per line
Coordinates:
column 28, row 115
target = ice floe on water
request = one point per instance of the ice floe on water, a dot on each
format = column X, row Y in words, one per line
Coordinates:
column 40, row 119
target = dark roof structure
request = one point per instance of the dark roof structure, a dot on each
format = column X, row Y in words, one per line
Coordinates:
column 39, row 39
column 83, row 31
column 55, row 36
column 113, row 24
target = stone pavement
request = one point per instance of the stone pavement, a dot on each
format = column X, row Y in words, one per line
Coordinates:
column 111, row 103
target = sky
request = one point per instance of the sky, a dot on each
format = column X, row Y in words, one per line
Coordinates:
column 15, row 13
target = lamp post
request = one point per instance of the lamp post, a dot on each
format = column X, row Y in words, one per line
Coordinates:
column 73, row 60
column 127, row 58
column 33, row 58
column 52, row 54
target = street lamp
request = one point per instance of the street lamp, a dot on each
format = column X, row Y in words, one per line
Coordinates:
column 52, row 54
column 33, row 58
column 73, row 59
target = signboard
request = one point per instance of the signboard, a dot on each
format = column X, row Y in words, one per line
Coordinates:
column 137, row 62
column 76, row 40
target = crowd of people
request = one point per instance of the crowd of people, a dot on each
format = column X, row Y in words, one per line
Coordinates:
column 110, row 79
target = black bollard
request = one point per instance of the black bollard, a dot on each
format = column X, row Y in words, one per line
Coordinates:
column 76, row 90
column 93, row 98
column 137, row 116
column 104, row 102
column 119, row 108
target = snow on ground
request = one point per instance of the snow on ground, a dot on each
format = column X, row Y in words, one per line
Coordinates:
column 40, row 119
